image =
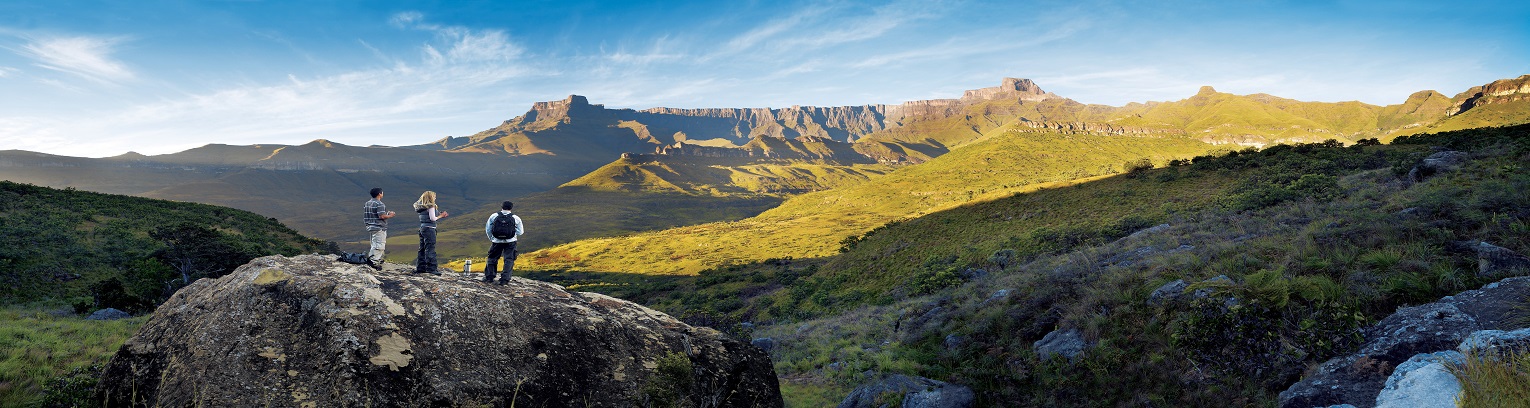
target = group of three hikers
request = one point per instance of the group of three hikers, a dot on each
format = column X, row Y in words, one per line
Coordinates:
column 503, row 228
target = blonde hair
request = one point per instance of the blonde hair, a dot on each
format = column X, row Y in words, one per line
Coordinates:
column 428, row 199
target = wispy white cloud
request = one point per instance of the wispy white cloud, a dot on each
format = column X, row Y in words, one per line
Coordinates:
column 459, row 73
column 87, row 57
column 6, row 71
column 817, row 27
column 406, row 19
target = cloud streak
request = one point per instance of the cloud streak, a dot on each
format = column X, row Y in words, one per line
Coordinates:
column 406, row 102
column 83, row 56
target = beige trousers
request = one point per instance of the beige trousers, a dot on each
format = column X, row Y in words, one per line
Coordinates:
column 379, row 245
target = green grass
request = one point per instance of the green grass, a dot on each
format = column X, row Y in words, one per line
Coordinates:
column 637, row 195
column 1314, row 238
column 813, row 224
column 69, row 245
column 37, row 346
column 1502, row 381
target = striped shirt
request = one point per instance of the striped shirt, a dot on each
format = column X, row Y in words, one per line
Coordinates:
column 370, row 215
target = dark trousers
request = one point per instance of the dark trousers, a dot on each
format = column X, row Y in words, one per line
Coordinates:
column 496, row 251
column 425, row 262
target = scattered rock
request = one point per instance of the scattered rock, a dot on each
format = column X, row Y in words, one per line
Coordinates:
column 308, row 331
column 1129, row 258
column 1422, row 381
column 108, row 314
column 1357, row 379
column 1495, row 260
column 1420, row 329
column 1148, row 231
column 1496, row 343
column 973, row 274
column 1438, row 163
column 954, row 341
column 997, row 296
column 1168, row 292
column 1219, row 281
column 917, row 392
column 764, row 343
column 1067, row 343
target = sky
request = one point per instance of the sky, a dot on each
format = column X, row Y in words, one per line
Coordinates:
column 101, row 78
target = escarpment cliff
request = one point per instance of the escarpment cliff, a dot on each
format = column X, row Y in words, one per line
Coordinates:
column 309, row 331
column 1496, row 92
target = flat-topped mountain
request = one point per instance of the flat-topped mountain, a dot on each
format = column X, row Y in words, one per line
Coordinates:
column 313, row 187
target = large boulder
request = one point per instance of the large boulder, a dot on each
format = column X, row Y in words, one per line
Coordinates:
column 1495, row 260
column 1423, row 381
column 1439, row 162
column 1358, row 378
column 307, row 331
column 1067, row 343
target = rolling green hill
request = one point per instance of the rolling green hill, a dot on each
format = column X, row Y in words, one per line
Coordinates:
column 1007, row 160
column 101, row 250
column 1315, row 240
column 645, row 193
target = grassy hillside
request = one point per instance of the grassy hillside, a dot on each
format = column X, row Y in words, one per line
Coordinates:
column 51, row 358
column 1317, row 241
column 644, row 193
column 100, row 250
column 814, row 224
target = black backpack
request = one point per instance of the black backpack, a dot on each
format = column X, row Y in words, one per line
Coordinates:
column 504, row 226
column 353, row 258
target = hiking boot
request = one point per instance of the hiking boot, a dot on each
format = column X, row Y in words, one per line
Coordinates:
column 487, row 279
column 502, row 282
column 374, row 265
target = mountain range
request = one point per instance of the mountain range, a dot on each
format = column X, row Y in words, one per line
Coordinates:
column 713, row 165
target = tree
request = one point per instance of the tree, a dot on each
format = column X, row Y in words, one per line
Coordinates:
column 197, row 251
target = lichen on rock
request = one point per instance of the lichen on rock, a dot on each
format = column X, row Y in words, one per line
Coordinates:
column 309, row 331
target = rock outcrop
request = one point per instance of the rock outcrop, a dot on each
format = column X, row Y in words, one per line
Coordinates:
column 1496, row 92
column 1440, row 162
column 915, row 392
column 308, row 331
column 1357, row 379
column 1066, row 343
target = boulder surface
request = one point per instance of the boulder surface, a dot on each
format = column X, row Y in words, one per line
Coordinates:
column 307, row 331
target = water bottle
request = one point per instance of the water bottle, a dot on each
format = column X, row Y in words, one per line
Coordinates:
column 467, row 269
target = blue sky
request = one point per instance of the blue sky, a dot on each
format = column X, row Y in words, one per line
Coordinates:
column 100, row 78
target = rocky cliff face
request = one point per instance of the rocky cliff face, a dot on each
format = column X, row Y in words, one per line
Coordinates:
column 1011, row 88
column 1500, row 91
column 308, row 331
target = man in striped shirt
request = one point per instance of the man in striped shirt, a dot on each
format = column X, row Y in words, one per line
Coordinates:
column 376, row 216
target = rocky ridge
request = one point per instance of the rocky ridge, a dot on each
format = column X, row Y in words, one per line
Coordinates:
column 309, row 331
column 1496, row 92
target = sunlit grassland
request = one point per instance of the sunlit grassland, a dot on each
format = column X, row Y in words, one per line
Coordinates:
column 36, row 346
column 630, row 196
column 813, row 224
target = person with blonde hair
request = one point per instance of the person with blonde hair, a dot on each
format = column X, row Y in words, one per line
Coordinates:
column 426, row 207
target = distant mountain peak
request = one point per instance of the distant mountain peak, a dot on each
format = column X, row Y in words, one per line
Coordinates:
column 1206, row 90
column 325, row 143
column 1024, row 89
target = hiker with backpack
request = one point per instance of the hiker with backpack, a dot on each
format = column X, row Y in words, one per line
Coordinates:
column 503, row 228
column 376, row 216
column 425, row 262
